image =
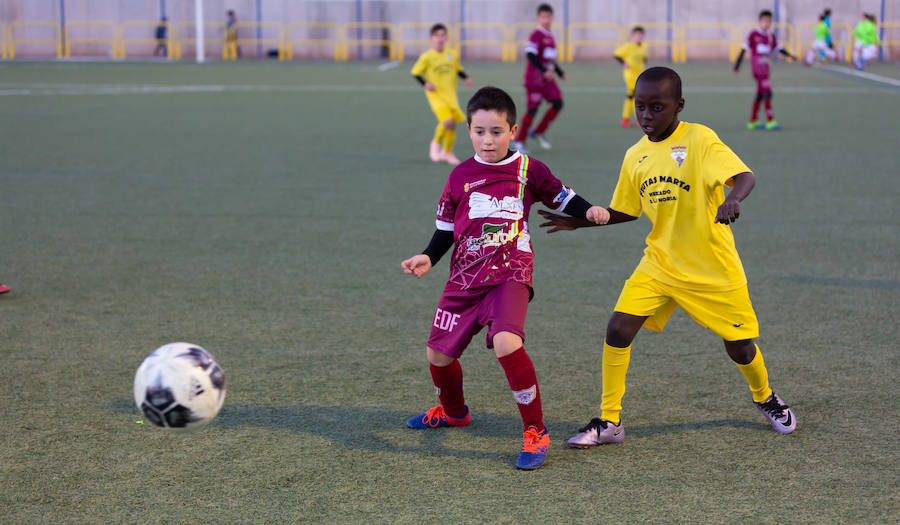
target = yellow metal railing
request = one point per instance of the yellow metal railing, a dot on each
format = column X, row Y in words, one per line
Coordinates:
column 731, row 42
column 347, row 40
column 291, row 42
column 91, row 24
column 506, row 54
column 179, row 41
column 574, row 43
column 503, row 37
column 259, row 28
column 402, row 42
column 151, row 26
column 13, row 41
column 673, row 45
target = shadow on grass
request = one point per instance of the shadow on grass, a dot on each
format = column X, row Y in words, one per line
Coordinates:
column 359, row 428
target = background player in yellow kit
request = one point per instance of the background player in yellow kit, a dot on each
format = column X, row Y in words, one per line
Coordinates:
column 438, row 69
column 633, row 56
column 676, row 176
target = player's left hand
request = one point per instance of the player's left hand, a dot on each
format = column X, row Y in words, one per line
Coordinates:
column 598, row 215
column 469, row 82
column 564, row 77
column 728, row 212
column 548, row 75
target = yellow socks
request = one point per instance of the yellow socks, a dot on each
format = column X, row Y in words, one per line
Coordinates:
column 439, row 133
column 615, row 365
column 449, row 139
column 757, row 377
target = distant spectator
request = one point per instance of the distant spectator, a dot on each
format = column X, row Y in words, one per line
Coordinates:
column 232, row 51
column 162, row 38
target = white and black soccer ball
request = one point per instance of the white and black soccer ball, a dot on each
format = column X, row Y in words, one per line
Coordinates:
column 179, row 385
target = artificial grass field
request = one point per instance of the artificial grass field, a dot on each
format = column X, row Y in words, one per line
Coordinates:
column 261, row 210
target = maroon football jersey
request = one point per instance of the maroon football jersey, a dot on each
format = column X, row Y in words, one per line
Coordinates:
column 486, row 207
column 543, row 44
column 762, row 46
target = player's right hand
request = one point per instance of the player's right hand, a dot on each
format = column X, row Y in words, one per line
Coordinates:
column 430, row 87
column 417, row 265
column 548, row 74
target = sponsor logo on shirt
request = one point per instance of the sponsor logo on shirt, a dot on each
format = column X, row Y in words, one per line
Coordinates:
column 482, row 205
column 472, row 185
column 493, row 235
column 679, row 153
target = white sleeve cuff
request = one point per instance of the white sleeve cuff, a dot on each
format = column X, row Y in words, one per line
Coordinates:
column 565, row 200
column 443, row 225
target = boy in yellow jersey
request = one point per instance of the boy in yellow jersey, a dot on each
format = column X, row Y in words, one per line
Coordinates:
column 633, row 56
column 676, row 176
column 438, row 69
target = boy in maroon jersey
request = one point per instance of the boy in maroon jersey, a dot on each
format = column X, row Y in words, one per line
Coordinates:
column 484, row 212
column 540, row 83
column 762, row 44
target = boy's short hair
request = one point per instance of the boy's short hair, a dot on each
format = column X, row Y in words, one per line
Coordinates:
column 637, row 29
column 822, row 17
column 437, row 27
column 827, row 11
column 764, row 13
column 230, row 12
column 659, row 74
column 545, row 8
column 490, row 98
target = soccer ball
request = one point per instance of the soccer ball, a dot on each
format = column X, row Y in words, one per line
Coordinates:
column 179, row 385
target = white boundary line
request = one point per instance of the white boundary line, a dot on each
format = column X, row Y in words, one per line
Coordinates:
column 861, row 74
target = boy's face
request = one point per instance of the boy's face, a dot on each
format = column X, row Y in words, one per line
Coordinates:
column 656, row 108
column 637, row 37
column 439, row 39
column 765, row 22
column 545, row 19
column 491, row 134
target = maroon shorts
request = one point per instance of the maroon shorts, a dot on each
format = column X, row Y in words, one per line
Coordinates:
column 536, row 91
column 761, row 74
column 463, row 313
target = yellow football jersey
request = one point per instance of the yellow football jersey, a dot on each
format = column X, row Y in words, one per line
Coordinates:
column 635, row 55
column 441, row 69
column 678, row 183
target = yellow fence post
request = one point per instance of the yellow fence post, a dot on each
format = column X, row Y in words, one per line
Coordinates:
column 503, row 43
column 714, row 42
column 384, row 42
column 573, row 43
column 178, row 39
column 267, row 41
column 124, row 40
column 57, row 40
column 401, row 43
column 2, row 41
column 334, row 42
column 111, row 41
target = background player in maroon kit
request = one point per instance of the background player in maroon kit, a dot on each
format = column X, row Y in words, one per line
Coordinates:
column 483, row 211
column 540, row 83
column 762, row 43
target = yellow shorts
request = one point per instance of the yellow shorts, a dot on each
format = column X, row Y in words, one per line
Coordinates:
column 446, row 111
column 729, row 314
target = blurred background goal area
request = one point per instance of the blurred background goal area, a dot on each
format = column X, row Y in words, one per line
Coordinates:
column 352, row 30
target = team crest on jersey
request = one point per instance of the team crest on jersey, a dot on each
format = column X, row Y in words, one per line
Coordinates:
column 525, row 397
column 679, row 153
